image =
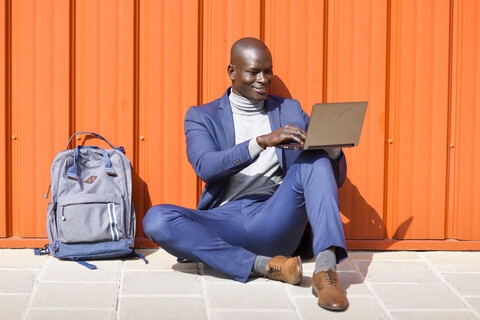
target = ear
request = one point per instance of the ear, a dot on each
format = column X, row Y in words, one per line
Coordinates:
column 231, row 71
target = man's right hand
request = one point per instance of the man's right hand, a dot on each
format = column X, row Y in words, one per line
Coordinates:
column 286, row 134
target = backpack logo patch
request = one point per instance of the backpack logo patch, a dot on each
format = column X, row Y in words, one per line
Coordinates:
column 90, row 179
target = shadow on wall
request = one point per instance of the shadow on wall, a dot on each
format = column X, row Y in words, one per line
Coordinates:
column 279, row 88
column 364, row 222
column 142, row 200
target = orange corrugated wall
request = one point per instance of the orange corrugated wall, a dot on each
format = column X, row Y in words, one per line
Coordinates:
column 130, row 69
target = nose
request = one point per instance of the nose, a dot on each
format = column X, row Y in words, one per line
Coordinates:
column 262, row 77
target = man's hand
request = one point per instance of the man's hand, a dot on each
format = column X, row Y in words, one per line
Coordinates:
column 285, row 134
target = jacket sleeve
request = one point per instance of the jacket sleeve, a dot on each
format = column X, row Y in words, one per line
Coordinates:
column 210, row 163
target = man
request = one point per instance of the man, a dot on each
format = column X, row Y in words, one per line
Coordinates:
column 258, row 200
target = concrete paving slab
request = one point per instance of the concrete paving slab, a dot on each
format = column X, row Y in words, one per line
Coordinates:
column 17, row 281
column 161, row 283
column 215, row 276
column 158, row 260
column 464, row 283
column 71, row 271
column 247, row 296
column 350, row 281
column 434, row 315
column 345, row 265
column 353, row 284
column 414, row 296
column 70, row 314
column 76, row 295
column 309, row 266
column 360, row 308
column 12, row 306
column 165, row 308
column 397, row 271
column 252, row 314
column 387, row 255
column 474, row 302
column 21, row 259
column 380, row 285
column 453, row 261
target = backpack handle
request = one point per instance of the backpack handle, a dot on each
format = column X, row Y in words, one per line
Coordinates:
column 72, row 171
column 92, row 133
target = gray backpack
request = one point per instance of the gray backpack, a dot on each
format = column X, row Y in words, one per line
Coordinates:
column 91, row 213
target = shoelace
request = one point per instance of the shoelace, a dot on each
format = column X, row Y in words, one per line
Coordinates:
column 275, row 271
column 330, row 278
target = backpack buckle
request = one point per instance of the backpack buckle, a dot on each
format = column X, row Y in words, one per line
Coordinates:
column 42, row 251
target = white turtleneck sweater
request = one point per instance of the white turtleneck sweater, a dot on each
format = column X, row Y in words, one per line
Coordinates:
column 264, row 175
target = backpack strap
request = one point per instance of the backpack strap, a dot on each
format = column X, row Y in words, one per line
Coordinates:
column 72, row 171
column 86, row 264
column 138, row 255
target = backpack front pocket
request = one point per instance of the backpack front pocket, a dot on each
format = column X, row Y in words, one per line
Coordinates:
column 90, row 218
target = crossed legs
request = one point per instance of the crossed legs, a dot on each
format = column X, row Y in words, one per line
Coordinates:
column 229, row 237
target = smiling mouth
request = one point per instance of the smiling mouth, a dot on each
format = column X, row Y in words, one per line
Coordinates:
column 261, row 90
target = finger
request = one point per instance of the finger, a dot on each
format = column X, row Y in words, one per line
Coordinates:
column 302, row 134
column 296, row 137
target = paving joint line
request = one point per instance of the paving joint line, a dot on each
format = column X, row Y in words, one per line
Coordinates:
column 20, row 269
column 162, row 296
column 72, row 308
column 450, row 287
column 166, row 271
column 118, row 303
column 292, row 301
column 79, row 282
column 34, row 290
column 399, row 283
column 428, row 309
column 255, row 310
column 201, row 269
column 371, row 290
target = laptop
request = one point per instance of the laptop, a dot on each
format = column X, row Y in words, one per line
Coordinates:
column 332, row 125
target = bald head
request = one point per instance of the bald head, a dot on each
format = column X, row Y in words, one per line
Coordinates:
column 244, row 46
column 250, row 68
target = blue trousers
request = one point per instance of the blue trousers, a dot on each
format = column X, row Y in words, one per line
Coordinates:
column 229, row 237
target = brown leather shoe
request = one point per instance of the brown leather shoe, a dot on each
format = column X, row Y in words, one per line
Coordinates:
column 330, row 294
column 285, row 269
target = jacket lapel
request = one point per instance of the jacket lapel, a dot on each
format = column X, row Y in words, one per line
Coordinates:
column 226, row 117
column 273, row 111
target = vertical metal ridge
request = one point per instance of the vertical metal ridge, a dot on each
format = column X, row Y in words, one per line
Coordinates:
column 136, row 85
column 262, row 20
column 387, row 117
column 448, row 187
column 8, row 117
column 325, row 50
column 200, row 73
column 72, row 67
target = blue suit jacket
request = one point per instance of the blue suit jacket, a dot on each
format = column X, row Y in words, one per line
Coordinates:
column 211, row 145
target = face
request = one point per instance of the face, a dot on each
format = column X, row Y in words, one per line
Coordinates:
column 251, row 74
